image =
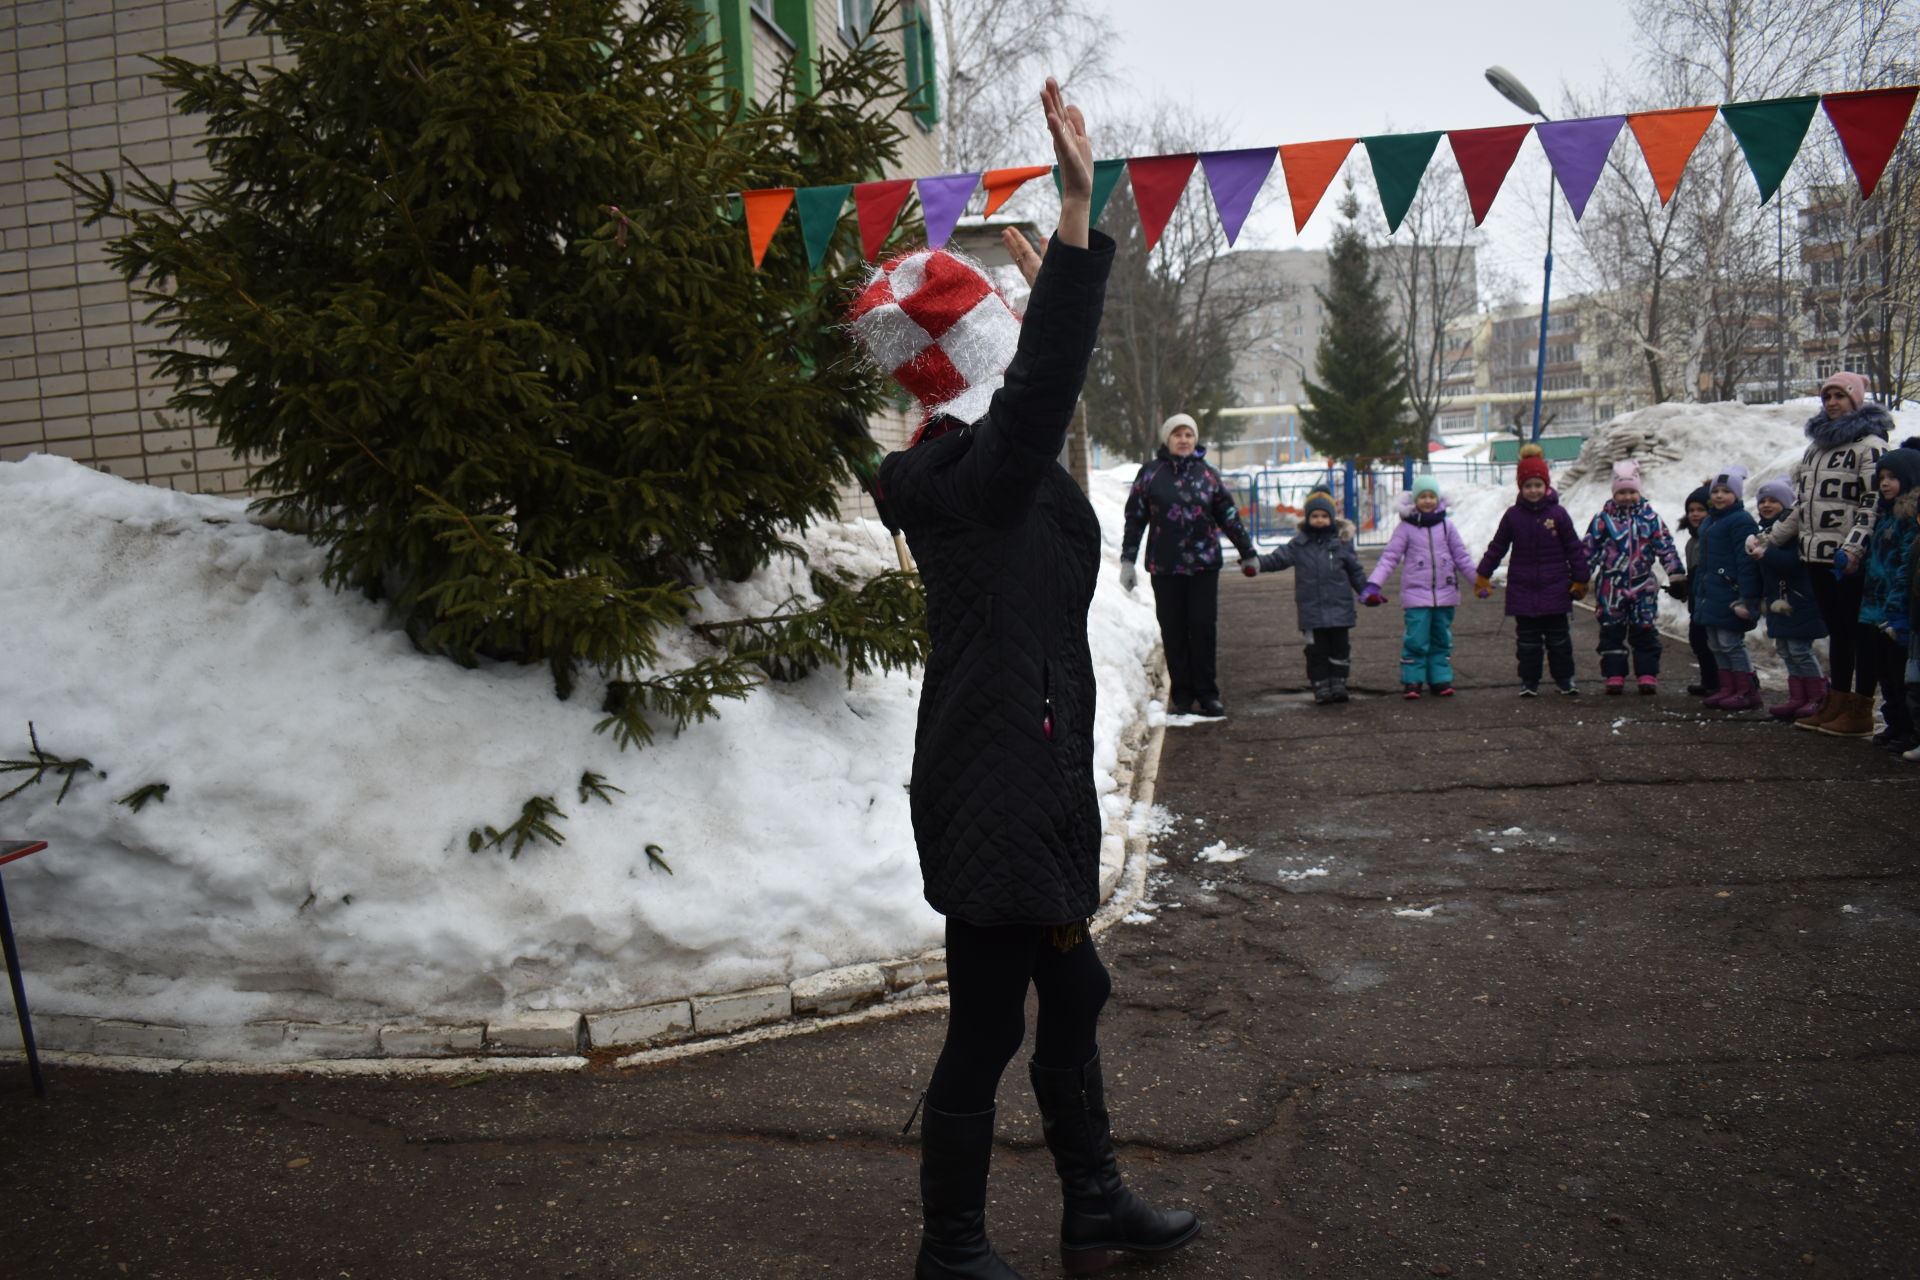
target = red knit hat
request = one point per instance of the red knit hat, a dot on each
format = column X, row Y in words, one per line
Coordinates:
column 936, row 323
column 1533, row 466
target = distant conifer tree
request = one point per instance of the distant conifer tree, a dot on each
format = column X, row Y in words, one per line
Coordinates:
column 1357, row 406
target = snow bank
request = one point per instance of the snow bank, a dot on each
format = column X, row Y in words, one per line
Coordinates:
column 310, row 859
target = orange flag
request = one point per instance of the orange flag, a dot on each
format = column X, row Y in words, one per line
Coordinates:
column 765, row 208
column 1667, row 140
column 1310, row 167
column 1002, row 183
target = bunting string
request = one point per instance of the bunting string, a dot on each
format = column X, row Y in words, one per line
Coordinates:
column 1771, row 133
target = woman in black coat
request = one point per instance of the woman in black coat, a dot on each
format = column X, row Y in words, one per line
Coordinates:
column 1004, row 810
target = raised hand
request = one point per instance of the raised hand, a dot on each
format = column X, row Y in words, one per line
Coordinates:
column 1021, row 250
column 1073, row 152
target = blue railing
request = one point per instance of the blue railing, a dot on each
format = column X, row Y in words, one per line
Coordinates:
column 1270, row 499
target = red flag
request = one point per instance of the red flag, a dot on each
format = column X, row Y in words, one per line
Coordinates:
column 877, row 205
column 1870, row 124
column 764, row 210
column 1000, row 184
column 1667, row 140
column 1158, row 182
column 1484, row 156
column 1310, row 167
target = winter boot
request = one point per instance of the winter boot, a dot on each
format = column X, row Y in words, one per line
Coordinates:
column 1854, row 719
column 1616, row 685
column 1813, row 691
column 1410, row 692
column 1338, row 690
column 1443, row 690
column 1100, row 1214
column 1796, row 696
column 1322, row 692
column 1723, row 688
column 1829, row 706
column 1746, row 691
column 1649, row 685
column 955, row 1152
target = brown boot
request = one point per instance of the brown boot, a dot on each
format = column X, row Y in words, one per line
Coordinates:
column 1855, row 719
column 1829, row 708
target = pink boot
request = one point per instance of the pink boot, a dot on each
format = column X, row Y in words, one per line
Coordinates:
column 1796, row 699
column 1649, row 685
column 1722, row 690
column 1746, row 692
column 1815, row 688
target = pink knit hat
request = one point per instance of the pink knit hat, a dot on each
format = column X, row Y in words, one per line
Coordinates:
column 1626, row 475
column 1854, row 384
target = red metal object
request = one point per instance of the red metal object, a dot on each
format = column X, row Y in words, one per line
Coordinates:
column 13, row 850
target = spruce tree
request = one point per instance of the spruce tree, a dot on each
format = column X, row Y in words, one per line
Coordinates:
column 469, row 289
column 1357, row 408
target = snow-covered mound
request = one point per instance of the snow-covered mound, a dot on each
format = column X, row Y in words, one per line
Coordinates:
column 1679, row 447
column 310, row 860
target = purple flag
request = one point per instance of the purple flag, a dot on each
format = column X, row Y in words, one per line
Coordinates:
column 1235, row 178
column 1578, row 150
column 942, row 201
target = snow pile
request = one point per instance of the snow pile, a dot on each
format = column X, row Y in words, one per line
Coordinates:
column 310, row 860
column 1218, row 851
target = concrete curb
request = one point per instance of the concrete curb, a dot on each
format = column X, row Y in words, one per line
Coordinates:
column 557, row 1040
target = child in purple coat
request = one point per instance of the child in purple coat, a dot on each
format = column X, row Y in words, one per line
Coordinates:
column 1432, row 558
column 1623, row 541
column 1548, row 573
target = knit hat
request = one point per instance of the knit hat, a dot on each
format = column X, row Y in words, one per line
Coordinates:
column 1732, row 477
column 1319, row 500
column 1626, row 475
column 936, row 323
column 1855, row 385
column 1176, row 422
column 1780, row 489
column 1425, row 482
column 1904, row 465
column 1533, row 466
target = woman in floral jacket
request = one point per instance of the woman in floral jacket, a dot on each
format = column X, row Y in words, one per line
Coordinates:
column 1181, row 506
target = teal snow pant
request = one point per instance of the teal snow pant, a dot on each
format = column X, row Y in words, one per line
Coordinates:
column 1426, row 650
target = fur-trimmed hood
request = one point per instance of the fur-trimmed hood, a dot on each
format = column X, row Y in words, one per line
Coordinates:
column 1869, row 419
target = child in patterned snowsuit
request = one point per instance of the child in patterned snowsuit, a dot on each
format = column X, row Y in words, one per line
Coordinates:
column 1622, row 543
column 1432, row 559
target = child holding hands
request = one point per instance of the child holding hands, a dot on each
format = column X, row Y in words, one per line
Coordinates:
column 1728, row 590
column 1792, row 611
column 1548, row 573
column 1327, row 575
column 1622, row 543
column 1432, row 558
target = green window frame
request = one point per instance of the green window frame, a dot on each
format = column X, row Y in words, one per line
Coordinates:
column 922, row 64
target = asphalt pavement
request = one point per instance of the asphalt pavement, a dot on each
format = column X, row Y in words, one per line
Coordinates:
column 1604, row 987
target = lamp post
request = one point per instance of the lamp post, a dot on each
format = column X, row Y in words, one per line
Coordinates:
column 1513, row 91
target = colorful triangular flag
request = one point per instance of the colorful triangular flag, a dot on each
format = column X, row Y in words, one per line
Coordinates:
column 1002, row 183
column 1870, row 124
column 1158, row 182
column 1399, row 162
column 1667, row 141
column 942, row 201
column 765, row 208
column 1235, row 178
column 1578, row 151
column 1106, row 176
column 819, row 214
column 878, row 205
column 1484, row 156
column 1770, row 134
column 1310, row 167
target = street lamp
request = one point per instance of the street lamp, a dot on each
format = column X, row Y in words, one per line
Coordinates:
column 1513, row 91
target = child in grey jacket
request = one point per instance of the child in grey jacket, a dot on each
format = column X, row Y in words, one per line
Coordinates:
column 1327, row 578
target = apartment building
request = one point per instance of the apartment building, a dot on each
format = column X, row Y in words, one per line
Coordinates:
column 75, row 90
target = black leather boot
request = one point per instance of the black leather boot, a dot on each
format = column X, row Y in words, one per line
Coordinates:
column 1100, row 1214
column 955, row 1153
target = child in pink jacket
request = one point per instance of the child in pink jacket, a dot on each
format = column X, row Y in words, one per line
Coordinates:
column 1432, row 559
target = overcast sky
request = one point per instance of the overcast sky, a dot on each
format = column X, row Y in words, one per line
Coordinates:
column 1299, row 72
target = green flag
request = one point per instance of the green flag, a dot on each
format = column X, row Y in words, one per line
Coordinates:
column 1770, row 134
column 819, row 214
column 1106, row 176
column 1399, row 162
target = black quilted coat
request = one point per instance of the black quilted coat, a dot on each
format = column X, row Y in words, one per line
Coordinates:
column 1004, row 810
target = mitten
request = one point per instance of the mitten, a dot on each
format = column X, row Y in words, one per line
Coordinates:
column 1842, row 563
column 1128, row 575
column 1250, row 567
column 1743, row 613
column 1371, row 596
column 1482, row 585
column 1896, row 630
column 1578, row 591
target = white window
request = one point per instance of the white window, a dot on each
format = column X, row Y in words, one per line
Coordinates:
column 856, row 19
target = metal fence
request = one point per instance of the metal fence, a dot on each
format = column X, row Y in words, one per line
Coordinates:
column 1271, row 499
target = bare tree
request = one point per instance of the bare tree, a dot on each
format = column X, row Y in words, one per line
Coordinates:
column 996, row 54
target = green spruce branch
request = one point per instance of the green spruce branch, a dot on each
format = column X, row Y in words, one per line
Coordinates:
column 40, row 763
column 535, row 822
column 137, row 799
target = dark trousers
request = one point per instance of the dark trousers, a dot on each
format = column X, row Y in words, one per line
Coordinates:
column 1188, row 606
column 1547, row 635
column 1889, row 667
column 1839, row 601
column 988, row 972
column 1703, row 655
column 1619, row 639
column 1328, row 652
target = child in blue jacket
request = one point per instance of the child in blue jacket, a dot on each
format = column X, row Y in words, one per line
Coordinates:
column 1792, row 611
column 1728, row 590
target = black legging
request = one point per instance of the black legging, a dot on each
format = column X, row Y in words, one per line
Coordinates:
column 1849, row 662
column 988, row 970
column 1187, row 606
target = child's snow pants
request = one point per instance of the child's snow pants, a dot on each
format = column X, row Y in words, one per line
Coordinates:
column 1426, row 650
